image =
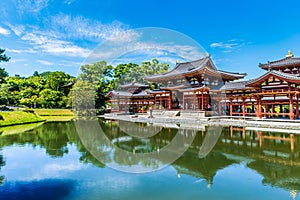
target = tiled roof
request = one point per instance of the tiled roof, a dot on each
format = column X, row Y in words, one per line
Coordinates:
column 134, row 85
column 235, row 85
column 289, row 77
column 116, row 93
column 194, row 89
column 141, row 94
column 182, row 69
column 289, row 61
column 238, row 75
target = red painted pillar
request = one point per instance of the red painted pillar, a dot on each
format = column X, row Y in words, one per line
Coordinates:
column 202, row 101
column 230, row 106
column 160, row 102
column 297, row 107
column 244, row 107
column 291, row 108
column 258, row 112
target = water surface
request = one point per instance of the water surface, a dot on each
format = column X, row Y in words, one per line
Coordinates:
column 50, row 161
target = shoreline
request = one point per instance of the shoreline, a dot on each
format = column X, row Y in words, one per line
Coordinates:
column 210, row 121
column 22, row 117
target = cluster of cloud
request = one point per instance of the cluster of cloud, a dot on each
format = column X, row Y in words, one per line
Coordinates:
column 31, row 5
column 74, row 37
column 227, row 46
column 4, row 31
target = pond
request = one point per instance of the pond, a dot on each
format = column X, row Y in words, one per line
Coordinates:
column 122, row 160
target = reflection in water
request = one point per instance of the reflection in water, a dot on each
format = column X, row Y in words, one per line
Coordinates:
column 2, row 163
column 274, row 156
column 45, row 189
column 119, row 151
column 54, row 137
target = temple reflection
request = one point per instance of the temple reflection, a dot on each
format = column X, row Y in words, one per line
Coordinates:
column 274, row 154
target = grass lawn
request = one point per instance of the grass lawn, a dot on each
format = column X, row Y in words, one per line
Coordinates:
column 53, row 112
column 18, row 117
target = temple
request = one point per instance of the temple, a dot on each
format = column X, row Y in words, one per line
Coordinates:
column 198, row 85
column 274, row 94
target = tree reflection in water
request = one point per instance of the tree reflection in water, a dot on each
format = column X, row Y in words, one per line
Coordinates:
column 274, row 159
column 2, row 163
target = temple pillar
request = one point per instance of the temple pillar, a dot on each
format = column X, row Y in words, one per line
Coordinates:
column 202, row 101
column 230, row 107
column 183, row 105
column 194, row 100
column 291, row 107
column 154, row 105
column 160, row 102
column 169, row 102
column 259, row 110
column 297, row 107
column 244, row 107
column 220, row 107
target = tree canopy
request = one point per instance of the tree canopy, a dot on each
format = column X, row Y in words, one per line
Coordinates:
column 3, row 56
column 59, row 90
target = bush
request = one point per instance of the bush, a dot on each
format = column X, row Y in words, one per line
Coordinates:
column 1, row 117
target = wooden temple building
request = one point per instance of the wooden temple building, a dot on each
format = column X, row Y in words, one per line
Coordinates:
column 199, row 85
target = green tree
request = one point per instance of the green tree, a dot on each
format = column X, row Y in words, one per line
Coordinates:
column 3, row 56
column 83, row 97
column 92, row 73
column 50, row 99
column 3, row 75
column 100, row 77
column 55, row 80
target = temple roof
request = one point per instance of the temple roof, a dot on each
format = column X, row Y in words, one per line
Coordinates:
column 134, row 85
column 201, row 88
column 294, row 78
column 289, row 61
column 239, row 85
column 189, row 68
column 116, row 93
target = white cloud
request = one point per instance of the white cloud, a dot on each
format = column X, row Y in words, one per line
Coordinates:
column 139, row 51
column 68, row 26
column 4, row 31
column 44, row 62
column 68, row 2
column 21, row 50
column 17, row 29
column 55, row 46
column 227, row 46
column 31, row 5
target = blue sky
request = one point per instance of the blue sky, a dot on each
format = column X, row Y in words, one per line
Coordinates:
column 49, row 35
